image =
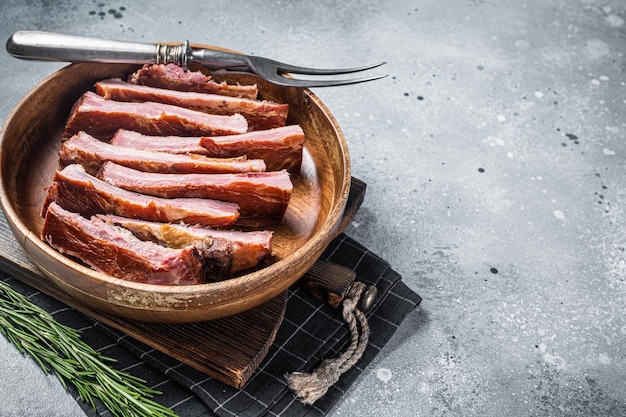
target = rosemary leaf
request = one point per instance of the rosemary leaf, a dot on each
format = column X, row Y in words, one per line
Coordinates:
column 59, row 350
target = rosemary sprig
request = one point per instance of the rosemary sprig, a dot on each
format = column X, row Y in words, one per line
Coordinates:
column 58, row 349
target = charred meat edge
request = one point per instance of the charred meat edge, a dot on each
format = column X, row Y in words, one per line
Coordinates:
column 117, row 252
column 249, row 248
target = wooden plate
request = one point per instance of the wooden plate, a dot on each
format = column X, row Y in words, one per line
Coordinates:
column 29, row 144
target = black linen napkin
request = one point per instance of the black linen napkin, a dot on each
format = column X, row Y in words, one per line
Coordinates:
column 311, row 331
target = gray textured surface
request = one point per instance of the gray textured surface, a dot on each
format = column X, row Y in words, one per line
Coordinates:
column 494, row 158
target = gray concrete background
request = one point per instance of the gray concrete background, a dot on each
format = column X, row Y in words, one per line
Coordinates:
column 494, row 158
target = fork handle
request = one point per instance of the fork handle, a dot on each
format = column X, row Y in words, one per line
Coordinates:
column 47, row 46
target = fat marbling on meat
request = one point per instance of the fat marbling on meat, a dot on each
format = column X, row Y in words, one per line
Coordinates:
column 260, row 114
column 280, row 148
column 101, row 118
column 90, row 152
column 258, row 194
column 249, row 248
column 174, row 77
column 115, row 251
column 76, row 190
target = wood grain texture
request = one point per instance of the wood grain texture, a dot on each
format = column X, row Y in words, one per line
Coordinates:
column 327, row 281
column 29, row 156
column 229, row 349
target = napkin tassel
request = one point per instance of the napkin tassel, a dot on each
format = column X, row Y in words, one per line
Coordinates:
column 311, row 387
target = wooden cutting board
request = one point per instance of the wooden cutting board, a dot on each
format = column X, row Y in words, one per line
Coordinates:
column 215, row 347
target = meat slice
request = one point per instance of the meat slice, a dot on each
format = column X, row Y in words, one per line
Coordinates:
column 117, row 252
column 258, row 194
column 248, row 248
column 260, row 114
column 90, row 152
column 169, row 144
column 101, row 118
column 173, row 77
column 77, row 191
column 280, row 148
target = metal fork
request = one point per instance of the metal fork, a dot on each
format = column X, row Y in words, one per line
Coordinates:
column 46, row 46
